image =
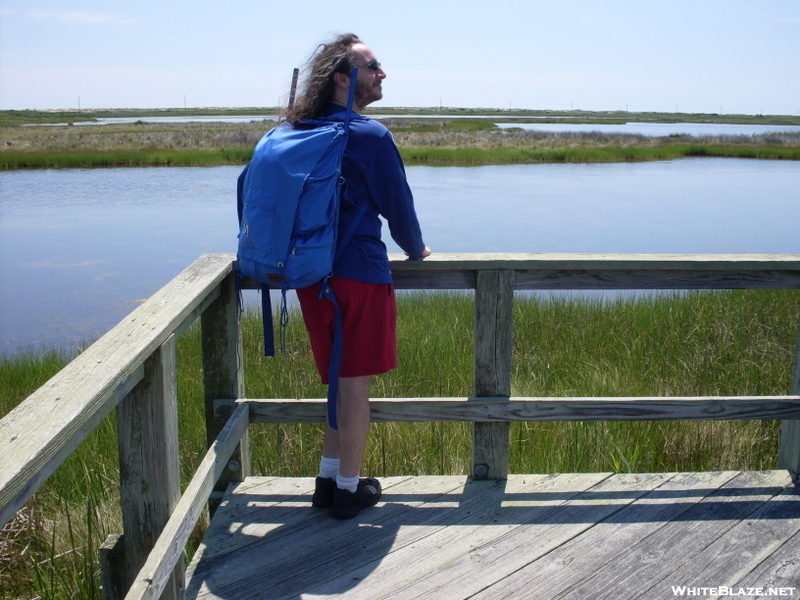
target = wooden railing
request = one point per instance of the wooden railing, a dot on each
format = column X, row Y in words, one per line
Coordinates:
column 132, row 368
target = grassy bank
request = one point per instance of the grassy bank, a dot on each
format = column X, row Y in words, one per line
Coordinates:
column 587, row 153
column 82, row 159
column 740, row 342
column 487, row 144
column 444, row 141
column 40, row 117
column 135, row 144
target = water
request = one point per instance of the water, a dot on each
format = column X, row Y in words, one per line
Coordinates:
column 647, row 129
column 79, row 248
column 682, row 206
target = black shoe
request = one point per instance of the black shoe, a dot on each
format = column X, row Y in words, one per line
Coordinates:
column 323, row 492
column 347, row 504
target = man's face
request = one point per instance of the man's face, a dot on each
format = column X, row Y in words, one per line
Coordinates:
column 368, row 85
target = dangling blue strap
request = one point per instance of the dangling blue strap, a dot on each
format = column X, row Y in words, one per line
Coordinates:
column 239, row 299
column 266, row 316
column 326, row 291
column 335, row 365
column 284, row 318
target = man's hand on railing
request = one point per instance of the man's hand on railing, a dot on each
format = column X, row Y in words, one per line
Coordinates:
column 423, row 254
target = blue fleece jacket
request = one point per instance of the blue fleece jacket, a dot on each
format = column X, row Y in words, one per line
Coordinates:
column 373, row 172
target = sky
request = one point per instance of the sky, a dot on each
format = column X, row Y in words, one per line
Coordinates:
column 712, row 56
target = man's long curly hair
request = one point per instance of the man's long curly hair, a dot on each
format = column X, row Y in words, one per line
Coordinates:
column 318, row 87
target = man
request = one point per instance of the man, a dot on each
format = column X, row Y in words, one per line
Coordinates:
column 373, row 173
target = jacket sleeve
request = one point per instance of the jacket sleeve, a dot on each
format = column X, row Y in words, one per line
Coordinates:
column 389, row 191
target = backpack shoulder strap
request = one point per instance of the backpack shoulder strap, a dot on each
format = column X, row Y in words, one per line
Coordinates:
column 351, row 96
column 348, row 114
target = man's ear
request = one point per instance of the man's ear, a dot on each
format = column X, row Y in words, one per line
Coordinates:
column 341, row 80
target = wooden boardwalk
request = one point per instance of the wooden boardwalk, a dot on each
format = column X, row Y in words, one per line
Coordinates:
column 525, row 536
column 573, row 536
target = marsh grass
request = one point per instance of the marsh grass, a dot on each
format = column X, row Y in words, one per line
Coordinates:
column 145, row 144
column 421, row 141
column 517, row 115
column 487, row 146
column 704, row 343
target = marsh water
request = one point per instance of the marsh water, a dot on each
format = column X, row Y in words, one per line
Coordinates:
column 632, row 127
column 80, row 248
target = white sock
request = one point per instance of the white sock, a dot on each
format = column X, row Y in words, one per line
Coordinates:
column 328, row 468
column 347, row 483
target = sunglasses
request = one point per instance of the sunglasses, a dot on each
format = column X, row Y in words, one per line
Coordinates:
column 372, row 66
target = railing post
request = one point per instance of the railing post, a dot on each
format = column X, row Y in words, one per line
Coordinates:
column 789, row 455
column 223, row 376
column 147, row 432
column 494, row 298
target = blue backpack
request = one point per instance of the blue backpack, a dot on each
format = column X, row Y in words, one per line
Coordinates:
column 288, row 200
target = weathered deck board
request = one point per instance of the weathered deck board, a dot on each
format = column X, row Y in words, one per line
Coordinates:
column 780, row 570
column 592, row 549
column 559, row 509
column 533, row 536
column 649, row 567
column 456, row 533
column 762, row 537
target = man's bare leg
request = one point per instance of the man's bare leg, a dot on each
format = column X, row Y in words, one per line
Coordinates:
column 348, row 443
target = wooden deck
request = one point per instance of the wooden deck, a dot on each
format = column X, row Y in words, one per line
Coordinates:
column 526, row 536
column 533, row 536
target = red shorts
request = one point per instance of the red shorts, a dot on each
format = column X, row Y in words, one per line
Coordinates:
column 370, row 326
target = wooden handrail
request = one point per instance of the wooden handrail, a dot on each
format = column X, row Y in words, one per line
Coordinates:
column 502, row 409
column 42, row 431
column 552, row 271
column 168, row 550
column 603, row 271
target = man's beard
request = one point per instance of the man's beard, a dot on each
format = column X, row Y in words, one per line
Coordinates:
column 367, row 93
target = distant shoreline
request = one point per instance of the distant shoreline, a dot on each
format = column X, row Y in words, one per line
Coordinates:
column 29, row 116
column 461, row 139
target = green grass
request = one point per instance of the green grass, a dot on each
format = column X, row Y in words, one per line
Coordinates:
column 421, row 141
column 412, row 156
column 738, row 342
column 29, row 116
column 583, row 154
column 124, row 158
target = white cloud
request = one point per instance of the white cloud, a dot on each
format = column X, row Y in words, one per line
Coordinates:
column 82, row 17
